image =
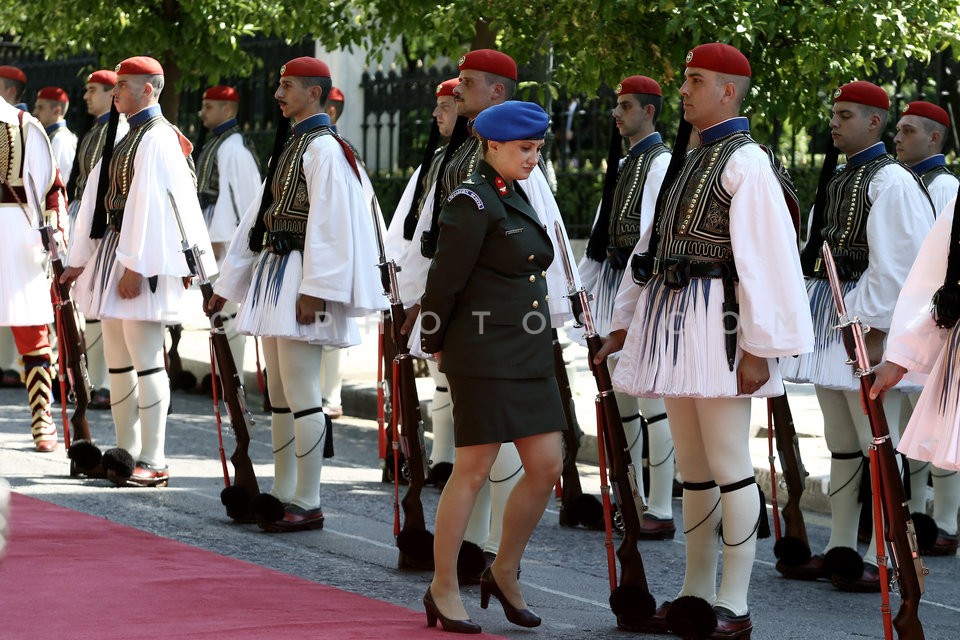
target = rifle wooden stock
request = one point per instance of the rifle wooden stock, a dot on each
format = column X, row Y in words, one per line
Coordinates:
column 234, row 398
column 794, row 474
column 407, row 407
column 571, row 488
column 908, row 567
column 621, row 472
column 70, row 340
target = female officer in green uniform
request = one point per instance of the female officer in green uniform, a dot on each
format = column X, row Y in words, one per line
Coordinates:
column 485, row 316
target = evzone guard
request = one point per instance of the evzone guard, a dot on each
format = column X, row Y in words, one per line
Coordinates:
column 26, row 159
column 623, row 224
column 704, row 330
column 921, row 137
column 302, row 265
column 874, row 213
column 126, row 259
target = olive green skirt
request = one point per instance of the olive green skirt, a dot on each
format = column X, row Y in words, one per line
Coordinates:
column 487, row 410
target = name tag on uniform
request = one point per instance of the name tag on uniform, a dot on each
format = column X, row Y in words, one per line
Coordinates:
column 510, row 232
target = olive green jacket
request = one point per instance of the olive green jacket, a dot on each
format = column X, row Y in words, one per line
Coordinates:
column 485, row 304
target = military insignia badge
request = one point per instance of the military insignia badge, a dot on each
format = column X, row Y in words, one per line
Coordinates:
column 439, row 86
column 283, row 69
column 689, row 56
column 116, row 69
column 619, row 88
column 462, row 60
column 836, row 94
column 501, row 186
column 906, row 108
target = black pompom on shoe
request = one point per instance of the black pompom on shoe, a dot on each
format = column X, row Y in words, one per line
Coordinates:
column 470, row 563
column 119, row 465
column 691, row 618
column 237, row 501
column 633, row 607
column 416, row 550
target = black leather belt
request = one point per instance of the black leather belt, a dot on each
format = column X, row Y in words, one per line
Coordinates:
column 282, row 242
column 847, row 268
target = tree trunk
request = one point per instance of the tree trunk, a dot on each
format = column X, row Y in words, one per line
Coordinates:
column 483, row 36
column 170, row 98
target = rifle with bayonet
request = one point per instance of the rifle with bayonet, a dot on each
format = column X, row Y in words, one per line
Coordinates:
column 413, row 540
column 631, row 600
column 69, row 338
column 236, row 497
column 908, row 569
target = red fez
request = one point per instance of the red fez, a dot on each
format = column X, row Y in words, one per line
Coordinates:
column 719, row 57
column 335, row 94
column 489, row 61
column 639, row 84
column 105, row 77
column 863, row 92
column 139, row 66
column 927, row 110
column 446, row 87
column 13, row 73
column 221, row 92
column 53, row 93
column 305, row 67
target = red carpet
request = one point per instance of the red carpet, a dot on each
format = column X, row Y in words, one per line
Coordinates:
column 98, row 579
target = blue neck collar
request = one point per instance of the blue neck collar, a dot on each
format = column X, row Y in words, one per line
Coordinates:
column 22, row 106
column 929, row 163
column 103, row 118
column 865, row 156
column 645, row 144
column 313, row 122
column 724, row 129
column 223, row 126
column 56, row 125
column 143, row 115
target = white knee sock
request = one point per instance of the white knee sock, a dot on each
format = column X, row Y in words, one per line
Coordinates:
column 660, row 456
column 310, row 429
column 844, row 500
column 441, row 412
column 284, row 454
column 123, row 407
column 153, row 401
column 946, row 499
column 633, row 432
column 237, row 341
column 741, row 512
column 701, row 516
column 505, row 473
column 919, row 472
column 96, row 364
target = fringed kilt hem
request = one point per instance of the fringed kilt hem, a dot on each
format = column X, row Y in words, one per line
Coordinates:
column 604, row 296
column 97, row 297
column 269, row 308
column 676, row 346
column 827, row 364
column 933, row 433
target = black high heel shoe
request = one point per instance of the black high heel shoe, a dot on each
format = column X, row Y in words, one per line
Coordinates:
column 454, row 626
column 519, row 617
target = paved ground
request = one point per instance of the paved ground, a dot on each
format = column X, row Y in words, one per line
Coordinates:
column 564, row 571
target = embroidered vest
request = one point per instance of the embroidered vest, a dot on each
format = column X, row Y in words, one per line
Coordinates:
column 88, row 153
column 291, row 205
column 695, row 223
column 208, row 170
column 927, row 177
column 627, row 196
column 11, row 163
column 846, row 212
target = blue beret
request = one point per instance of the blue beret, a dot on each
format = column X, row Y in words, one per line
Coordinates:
column 512, row 120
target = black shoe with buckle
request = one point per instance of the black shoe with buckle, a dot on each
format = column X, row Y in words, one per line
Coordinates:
column 295, row 518
column 148, row 475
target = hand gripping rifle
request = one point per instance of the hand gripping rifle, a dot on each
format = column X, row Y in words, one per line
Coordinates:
column 908, row 569
column 631, row 600
column 413, row 540
column 235, row 498
column 73, row 352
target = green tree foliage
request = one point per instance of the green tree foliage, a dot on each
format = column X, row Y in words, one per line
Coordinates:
column 197, row 41
column 800, row 50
